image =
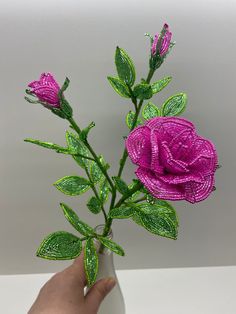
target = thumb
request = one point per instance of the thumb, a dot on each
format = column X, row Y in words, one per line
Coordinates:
column 98, row 292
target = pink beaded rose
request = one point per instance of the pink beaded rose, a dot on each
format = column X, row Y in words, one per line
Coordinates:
column 46, row 89
column 165, row 43
column 174, row 162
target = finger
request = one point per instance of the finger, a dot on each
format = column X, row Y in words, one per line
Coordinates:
column 76, row 270
column 98, row 292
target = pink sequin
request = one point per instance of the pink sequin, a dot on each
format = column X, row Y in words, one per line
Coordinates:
column 174, row 162
column 46, row 89
column 165, row 44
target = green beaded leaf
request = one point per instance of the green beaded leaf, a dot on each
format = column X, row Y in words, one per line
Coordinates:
column 94, row 205
column 95, row 172
column 119, row 86
column 150, row 111
column 143, row 91
column 130, row 120
column 77, row 147
column 157, row 219
column 111, row 245
column 174, row 105
column 125, row 67
column 57, row 148
column 169, row 209
column 159, row 85
column 122, row 212
column 60, row 245
column 74, row 220
column 121, row 186
column 104, row 191
column 72, row 185
column 90, row 262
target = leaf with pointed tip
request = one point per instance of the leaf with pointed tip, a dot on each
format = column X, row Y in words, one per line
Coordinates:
column 74, row 220
column 174, row 105
column 90, row 262
column 119, row 86
column 157, row 219
column 60, row 245
column 130, row 120
column 159, row 85
column 72, row 185
column 125, row 67
column 57, row 148
column 150, row 111
column 94, row 205
column 111, row 245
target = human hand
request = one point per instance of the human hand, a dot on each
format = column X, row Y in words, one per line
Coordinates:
column 64, row 292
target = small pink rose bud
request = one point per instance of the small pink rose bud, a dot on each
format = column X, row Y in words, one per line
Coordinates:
column 161, row 42
column 46, row 89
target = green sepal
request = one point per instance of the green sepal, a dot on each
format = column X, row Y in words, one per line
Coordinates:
column 90, row 262
column 60, row 245
column 122, row 212
column 159, row 85
column 150, row 111
column 94, row 205
column 57, row 148
column 72, row 185
column 64, row 86
column 104, row 190
column 66, row 108
column 84, row 133
column 157, row 219
column 58, row 112
column 125, row 67
column 143, row 91
column 111, row 245
column 119, row 86
column 174, row 105
column 32, row 101
column 121, row 186
column 74, row 220
column 130, row 120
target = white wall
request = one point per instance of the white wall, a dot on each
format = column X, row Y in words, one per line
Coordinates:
column 77, row 39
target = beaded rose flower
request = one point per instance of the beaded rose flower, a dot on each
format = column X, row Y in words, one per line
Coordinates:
column 46, row 89
column 174, row 162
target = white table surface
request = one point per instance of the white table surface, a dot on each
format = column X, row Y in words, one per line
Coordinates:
column 207, row 290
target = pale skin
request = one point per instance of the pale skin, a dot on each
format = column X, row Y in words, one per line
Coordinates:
column 64, row 292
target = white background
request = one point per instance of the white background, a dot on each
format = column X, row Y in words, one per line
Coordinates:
column 78, row 39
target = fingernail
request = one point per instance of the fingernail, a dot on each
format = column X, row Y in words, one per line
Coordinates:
column 110, row 284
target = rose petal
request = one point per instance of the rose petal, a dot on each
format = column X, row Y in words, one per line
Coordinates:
column 158, row 188
column 203, row 156
column 167, row 128
column 171, row 165
column 48, row 79
column 196, row 192
column 155, row 158
column 139, row 147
